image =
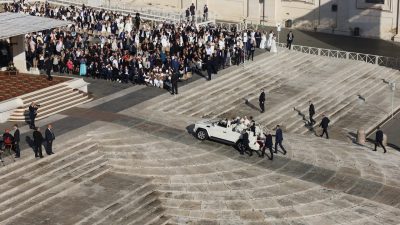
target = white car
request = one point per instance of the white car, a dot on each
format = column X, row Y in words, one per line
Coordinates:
column 217, row 129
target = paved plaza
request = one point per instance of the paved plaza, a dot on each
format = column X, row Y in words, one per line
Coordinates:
column 129, row 157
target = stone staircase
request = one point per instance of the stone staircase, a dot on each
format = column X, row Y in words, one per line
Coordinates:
column 126, row 174
column 339, row 88
column 76, row 186
column 52, row 100
column 209, row 183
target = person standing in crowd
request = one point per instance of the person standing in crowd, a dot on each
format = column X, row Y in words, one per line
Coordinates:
column 38, row 141
column 324, row 124
column 257, row 36
column 290, row 38
column 187, row 14
column 16, row 141
column 279, row 139
column 245, row 142
column 137, row 20
column 205, row 13
column 32, row 114
column 210, row 67
column 311, row 112
column 50, row 137
column 174, row 82
column 379, row 139
column 253, row 126
column 252, row 49
column 268, row 144
column 193, row 12
column 261, row 101
column 49, row 66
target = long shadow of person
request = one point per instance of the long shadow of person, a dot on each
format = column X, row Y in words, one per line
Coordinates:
column 30, row 143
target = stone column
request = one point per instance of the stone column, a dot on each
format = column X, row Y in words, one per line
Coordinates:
column 273, row 11
column 18, row 51
column 361, row 136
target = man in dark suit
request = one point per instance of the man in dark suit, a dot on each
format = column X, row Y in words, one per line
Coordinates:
column 268, row 144
column 210, row 68
column 324, row 124
column 279, row 139
column 38, row 141
column 49, row 67
column 261, row 100
column 253, row 126
column 245, row 141
column 16, row 141
column 174, row 82
column 379, row 139
column 49, row 136
column 290, row 38
column 311, row 111
column 32, row 114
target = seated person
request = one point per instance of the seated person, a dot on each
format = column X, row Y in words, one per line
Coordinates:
column 260, row 142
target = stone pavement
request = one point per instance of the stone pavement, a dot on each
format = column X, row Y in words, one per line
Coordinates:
column 340, row 42
column 121, row 160
column 352, row 94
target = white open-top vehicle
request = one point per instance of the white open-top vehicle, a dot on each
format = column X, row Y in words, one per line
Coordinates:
column 217, row 129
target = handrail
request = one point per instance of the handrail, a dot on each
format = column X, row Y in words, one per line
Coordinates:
column 368, row 58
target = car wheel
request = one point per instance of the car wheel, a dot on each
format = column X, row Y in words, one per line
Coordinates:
column 240, row 146
column 201, row 134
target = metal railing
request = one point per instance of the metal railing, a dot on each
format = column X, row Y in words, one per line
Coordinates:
column 368, row 58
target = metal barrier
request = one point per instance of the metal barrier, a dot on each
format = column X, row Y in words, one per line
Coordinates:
column 368, row 58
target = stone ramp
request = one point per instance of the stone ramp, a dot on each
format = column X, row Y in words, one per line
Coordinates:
column 318, row 182
column 339, row 88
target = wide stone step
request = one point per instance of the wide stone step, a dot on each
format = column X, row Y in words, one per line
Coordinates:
column 227, row 85
column 25, row 182
column 234, row 76
column 270, row 85
column 313, row 95
column 46, row 194
column 135, row 212
column 28, row 162
column 128, row 200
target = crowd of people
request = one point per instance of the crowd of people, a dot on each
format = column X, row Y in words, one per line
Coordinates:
column 124, row 48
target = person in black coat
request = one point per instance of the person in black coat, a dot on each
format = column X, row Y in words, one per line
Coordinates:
column 16, row 141
column 311, row 112
column 49, row 136
column 32, row 114
column 245, row 141
column 38, row 141
column 379, row 139
column 261, row 101
column 279, row 139
column 174, row 82
column 49, row 67
column 290, row 38
column 324, row 124
column 268, row 144
column 209, row 65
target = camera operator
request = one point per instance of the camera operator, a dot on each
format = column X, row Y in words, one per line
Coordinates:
column 32, row 114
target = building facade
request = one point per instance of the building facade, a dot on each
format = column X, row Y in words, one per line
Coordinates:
column 367, row 18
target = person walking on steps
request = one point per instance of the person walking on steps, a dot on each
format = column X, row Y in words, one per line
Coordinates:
column 261, row 101
column 279, row 139
column 268, row 144
column 16, row 141
column 50, row 137
column 324, row 124
column 38, row 141
column 311, row 111
column 32, row 114
column 379, row 139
